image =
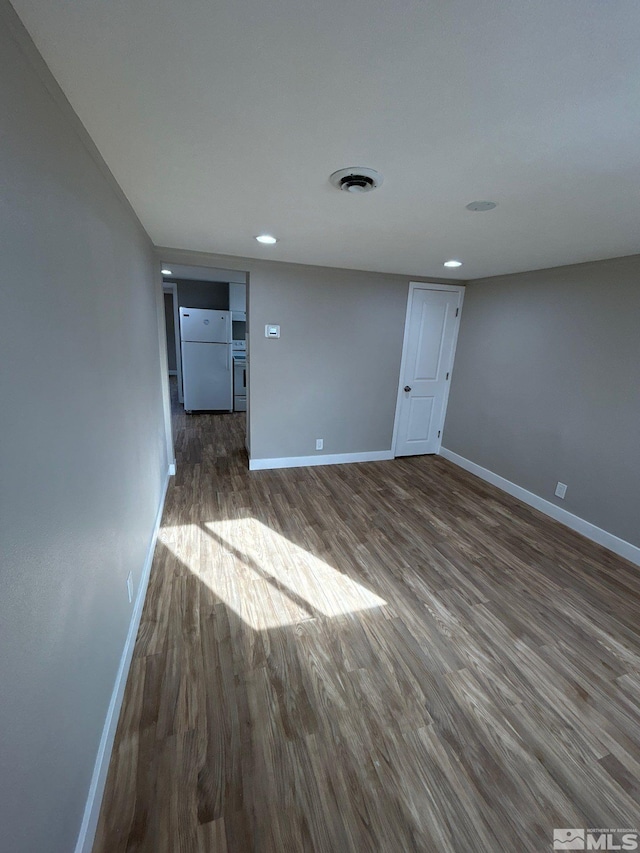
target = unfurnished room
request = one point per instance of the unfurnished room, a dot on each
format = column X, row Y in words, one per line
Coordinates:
column 320, row 426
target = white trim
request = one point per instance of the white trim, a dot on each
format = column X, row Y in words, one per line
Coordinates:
column 426, row 285
column 436, row 285
column 327, row 459
column 101, row 766
column 163, row 364
column 596, row 534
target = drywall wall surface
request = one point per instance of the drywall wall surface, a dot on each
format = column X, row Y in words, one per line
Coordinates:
column 203, row 294
column 333, row 373
column 546, row 387
column 83, row 452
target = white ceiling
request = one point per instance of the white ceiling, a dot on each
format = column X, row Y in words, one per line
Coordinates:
column 222, row 120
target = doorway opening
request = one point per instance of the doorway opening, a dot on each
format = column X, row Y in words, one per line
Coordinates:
column 207, row 344
column 172, row 328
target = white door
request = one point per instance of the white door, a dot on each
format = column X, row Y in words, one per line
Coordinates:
column 430, row 335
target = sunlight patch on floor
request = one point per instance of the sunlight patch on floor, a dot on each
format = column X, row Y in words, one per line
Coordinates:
column 268, row 580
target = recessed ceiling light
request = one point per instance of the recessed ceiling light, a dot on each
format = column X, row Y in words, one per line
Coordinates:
column 167, row 272
column 266, row 238
column 479, row 206
column 452, row 263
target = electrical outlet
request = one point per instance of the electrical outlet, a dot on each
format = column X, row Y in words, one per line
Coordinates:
column 130, row 587
column 319, row 443
column 561, row 490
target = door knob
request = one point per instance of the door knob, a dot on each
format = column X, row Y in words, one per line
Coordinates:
column 407, row 387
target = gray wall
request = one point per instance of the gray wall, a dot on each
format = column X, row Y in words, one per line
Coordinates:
column 333, row 374
column 83, row 450
column 203, row 294
column 546, row 387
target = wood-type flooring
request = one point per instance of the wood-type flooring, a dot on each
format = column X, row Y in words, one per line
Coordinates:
column 389, row 656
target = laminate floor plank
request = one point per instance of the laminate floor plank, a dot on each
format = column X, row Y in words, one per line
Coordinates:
column 390, row 657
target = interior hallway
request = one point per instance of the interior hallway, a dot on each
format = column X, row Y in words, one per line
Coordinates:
column 389, row 656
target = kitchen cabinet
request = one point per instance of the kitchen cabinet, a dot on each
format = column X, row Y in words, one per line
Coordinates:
column 238, row 298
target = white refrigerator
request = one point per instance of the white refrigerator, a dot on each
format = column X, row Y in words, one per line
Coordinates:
column 207, row 365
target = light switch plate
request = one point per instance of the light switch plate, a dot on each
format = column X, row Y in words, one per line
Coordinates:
column 561, row 490
column 271, row 331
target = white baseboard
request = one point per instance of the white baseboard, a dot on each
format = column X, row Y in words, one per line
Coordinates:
column 99, row 777
column 327, row 459
column 596, row 534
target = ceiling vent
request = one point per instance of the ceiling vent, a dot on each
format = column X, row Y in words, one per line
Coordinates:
column 357, row 179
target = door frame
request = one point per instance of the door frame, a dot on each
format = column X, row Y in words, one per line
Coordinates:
column 172, row 288
column 426, row 285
